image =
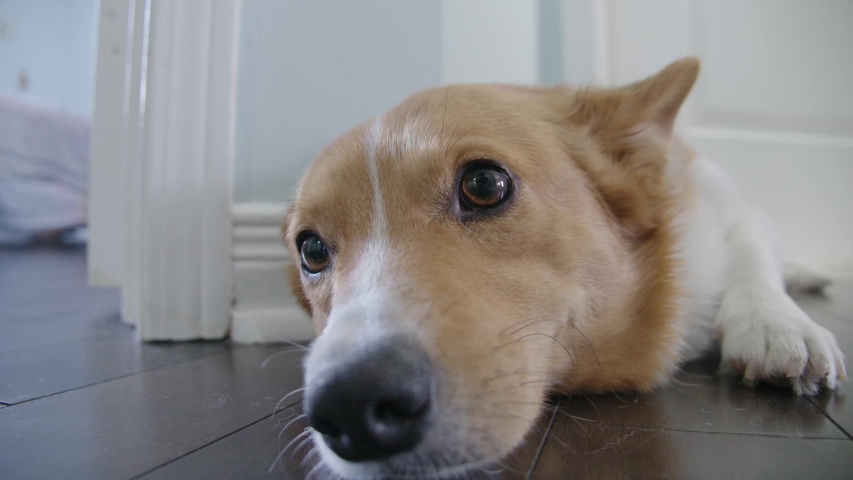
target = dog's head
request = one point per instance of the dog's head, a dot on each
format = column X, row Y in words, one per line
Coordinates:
column 472, row 251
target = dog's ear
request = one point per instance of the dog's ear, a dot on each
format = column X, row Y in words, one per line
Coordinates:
column 658, row 99
column 632, row 129
column 292, row 271
column 653, row 102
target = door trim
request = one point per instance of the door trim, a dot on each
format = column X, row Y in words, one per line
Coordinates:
column 122, row 30
column 178, row 278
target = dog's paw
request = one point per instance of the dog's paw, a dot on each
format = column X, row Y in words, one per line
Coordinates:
column 765, row 336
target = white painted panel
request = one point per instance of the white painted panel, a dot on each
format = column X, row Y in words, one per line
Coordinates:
column 777, row 64
column 490, row 41
column 772, row 107
column 805, row 188
column 642, row 37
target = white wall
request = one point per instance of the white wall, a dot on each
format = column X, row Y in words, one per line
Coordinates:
column 53, row 41
column 310, row 70
column 491, row 41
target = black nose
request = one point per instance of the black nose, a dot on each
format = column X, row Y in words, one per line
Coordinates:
column 376, row 405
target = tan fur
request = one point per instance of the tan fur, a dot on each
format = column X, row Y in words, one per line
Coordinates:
column 573, row 288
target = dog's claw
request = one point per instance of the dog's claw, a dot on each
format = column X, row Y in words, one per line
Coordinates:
column 737, row 365
column 752, row 369
column 793, row 370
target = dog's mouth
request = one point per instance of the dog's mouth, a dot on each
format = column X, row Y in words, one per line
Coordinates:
column 437, row 462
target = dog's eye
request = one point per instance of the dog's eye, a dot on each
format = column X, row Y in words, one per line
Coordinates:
column 484, row 187
column 315, row 255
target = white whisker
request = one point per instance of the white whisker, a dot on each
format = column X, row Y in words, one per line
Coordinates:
column 294, row 392
column 307, row 431
column 300, row 417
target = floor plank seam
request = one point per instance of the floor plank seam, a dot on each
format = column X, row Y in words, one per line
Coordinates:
column 746, row 434
column 829, row 417
column 202, row 447
column 544, row 440
column 151, row 369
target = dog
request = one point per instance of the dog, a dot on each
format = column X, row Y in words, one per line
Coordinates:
column 481, row 247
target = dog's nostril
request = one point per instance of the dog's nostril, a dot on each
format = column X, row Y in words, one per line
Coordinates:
column 399, row 410
column 326, row 427
column 388, row 412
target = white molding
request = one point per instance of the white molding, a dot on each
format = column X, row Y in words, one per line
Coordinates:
column 178, row 281
column 768, row 136
column 121, row 32
column 271, row 326
column 265, row 310
column 257, row 232
column 131, row 155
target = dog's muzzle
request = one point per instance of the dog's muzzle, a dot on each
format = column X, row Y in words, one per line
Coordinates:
column 375, row 404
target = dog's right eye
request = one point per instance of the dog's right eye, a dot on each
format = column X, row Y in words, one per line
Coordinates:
column 315, row 255
column 483, row 187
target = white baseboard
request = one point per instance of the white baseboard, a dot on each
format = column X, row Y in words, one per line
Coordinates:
column 265, row 310
column 271, row 326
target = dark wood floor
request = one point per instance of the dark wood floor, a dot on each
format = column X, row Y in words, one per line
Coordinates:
column 81, row 399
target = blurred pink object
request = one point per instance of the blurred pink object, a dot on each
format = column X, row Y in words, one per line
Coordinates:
column 44, row 168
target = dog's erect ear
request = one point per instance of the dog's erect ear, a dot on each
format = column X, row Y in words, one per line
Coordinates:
column 632, row 126
column 653, row 101
column 659, row 98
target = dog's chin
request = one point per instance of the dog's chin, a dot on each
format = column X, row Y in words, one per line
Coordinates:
column 437, row 461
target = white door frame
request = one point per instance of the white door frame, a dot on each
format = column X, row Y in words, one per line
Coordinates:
column 122, row 29
column 165, row 125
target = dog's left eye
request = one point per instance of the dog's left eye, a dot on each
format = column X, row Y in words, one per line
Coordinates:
column 315, row 255
column 484, row 187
